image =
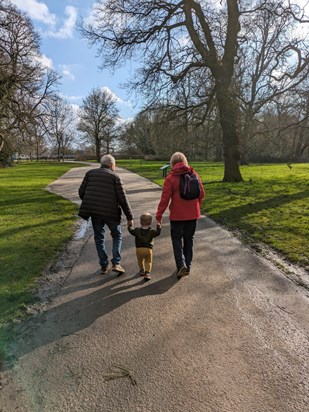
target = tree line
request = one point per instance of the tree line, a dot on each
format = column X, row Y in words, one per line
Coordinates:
column 229, row 74
column 31, row 109
column 220, row 80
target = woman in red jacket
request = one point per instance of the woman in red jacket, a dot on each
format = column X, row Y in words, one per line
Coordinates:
column 183, row 213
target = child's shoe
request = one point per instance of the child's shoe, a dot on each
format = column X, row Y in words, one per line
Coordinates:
column 147, row 276
column 141, row 272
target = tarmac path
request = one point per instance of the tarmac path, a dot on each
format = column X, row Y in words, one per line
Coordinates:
column 232, row 336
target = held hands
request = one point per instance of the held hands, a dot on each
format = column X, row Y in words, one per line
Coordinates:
column 130, row 223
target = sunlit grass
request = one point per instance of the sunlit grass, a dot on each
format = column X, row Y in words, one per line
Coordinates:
column 271, row 205
column 34, row 227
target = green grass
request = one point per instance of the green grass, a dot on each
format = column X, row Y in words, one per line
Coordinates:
column 34, row 226
column 271, row 205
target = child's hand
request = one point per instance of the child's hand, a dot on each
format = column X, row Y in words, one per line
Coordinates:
column 130, row 223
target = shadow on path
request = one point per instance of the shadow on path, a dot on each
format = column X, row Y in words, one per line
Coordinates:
column 75, row 315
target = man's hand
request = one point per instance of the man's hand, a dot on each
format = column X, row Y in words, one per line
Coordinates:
column 130, row 223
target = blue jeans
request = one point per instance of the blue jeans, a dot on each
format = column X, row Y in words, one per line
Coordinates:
column 182, row 234
column 98, row 225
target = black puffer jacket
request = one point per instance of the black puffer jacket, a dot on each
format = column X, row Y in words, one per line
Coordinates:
column 103, row 195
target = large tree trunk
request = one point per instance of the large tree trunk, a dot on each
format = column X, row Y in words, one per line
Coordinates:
column 58, row 153
column 227, row 105
column 1, row 142
column 98, row 149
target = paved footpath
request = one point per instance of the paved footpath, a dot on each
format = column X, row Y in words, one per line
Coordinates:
column 232, row 336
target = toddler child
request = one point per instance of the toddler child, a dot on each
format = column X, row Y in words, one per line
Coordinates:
column 144, row 236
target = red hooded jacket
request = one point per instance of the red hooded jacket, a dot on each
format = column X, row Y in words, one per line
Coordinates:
column 180, row 209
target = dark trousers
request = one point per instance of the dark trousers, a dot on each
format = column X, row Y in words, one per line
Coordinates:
column 182, row 234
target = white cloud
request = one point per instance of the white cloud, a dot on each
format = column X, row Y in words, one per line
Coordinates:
column 122, row 121
column 108, row 90
column 68, row 74
column 40, row 12
column 117, row 98
column 44, row 61
column 91, row 19
column 70, row 98
column 68, row 27
column 73, row 98
column 36, row 10
column 66, row 71
column 75, row 107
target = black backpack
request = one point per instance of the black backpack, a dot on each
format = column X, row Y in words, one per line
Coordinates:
column 189, row 186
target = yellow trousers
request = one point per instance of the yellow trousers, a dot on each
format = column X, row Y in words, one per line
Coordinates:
column 144, row 258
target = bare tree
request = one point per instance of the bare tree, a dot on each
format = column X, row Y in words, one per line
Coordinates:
column 175, row 38
column 98, row 116
column 38, row 140
column 25, row 85
column 301, row 136
column 283, row 131
column 60, row 126
column 273, row 61
column 191, row 111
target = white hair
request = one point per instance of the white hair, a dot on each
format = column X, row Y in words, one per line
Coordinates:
column 108, row 160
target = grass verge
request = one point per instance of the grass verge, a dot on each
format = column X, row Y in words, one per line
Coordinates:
column 34, row 226
column 271, row 206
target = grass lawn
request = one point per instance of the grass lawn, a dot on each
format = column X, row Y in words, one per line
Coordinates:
column 34, row 227
column 270, row 206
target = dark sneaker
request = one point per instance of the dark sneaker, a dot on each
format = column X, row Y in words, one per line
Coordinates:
column 147, row 276
column 183, row 271
column 104, row 269
column 117, row 268
column 141, row 272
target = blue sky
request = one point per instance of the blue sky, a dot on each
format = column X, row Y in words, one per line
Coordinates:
column 63, row 49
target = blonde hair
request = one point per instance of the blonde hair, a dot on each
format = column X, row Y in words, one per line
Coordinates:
column 146, row 219
column 178, row 157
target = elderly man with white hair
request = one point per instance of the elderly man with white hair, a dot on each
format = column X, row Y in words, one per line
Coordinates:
column 103, row 198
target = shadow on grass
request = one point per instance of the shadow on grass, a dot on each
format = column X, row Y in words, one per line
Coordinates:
column 259, row 206
column 51, row 222
column 19, row 197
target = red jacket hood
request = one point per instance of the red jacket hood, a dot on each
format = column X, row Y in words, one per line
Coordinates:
column 181, row 168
